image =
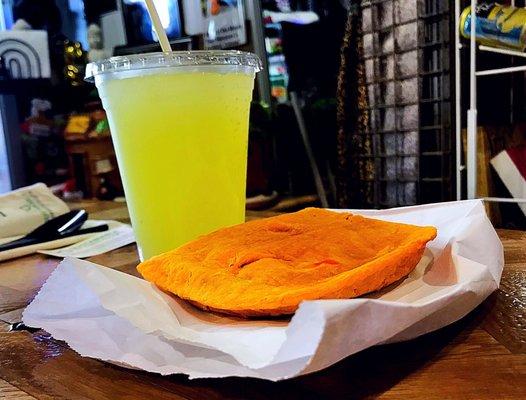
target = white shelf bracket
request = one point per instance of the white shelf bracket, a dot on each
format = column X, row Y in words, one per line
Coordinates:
column 471, row 150
column 471, row 163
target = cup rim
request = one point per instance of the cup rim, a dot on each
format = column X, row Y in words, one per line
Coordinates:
column 173, row 59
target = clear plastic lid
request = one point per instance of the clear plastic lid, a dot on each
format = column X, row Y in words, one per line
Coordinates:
column 173, row 59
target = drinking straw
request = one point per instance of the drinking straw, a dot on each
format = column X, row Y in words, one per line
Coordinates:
column 158, row 27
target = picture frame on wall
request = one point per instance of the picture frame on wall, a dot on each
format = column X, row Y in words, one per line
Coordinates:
column 221, row 21
column 25, row 54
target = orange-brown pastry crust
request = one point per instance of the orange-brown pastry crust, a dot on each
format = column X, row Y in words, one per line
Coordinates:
column 267, row 267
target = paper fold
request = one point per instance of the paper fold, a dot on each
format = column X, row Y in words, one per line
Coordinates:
column 106, row 314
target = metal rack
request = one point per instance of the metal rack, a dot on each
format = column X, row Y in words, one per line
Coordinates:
column 406, row 53
column 471, row 150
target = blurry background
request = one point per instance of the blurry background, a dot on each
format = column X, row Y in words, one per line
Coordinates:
column 355, row 107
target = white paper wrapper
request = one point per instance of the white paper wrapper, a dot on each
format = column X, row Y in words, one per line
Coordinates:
column 106, row 314
column 117, row 235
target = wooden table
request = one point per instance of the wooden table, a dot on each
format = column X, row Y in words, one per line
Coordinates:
column 483, row 356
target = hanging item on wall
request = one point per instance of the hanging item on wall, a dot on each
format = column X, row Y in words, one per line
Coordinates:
column 75, row 63
column 25, row 53
column 355, row 169
column 221, row 21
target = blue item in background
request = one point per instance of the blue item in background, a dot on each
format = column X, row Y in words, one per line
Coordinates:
column 138, row 24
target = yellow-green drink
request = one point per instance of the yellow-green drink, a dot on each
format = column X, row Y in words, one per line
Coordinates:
column 180, row 132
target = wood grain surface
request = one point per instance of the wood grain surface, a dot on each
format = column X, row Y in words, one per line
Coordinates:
column 483, row 356
column 8, row 392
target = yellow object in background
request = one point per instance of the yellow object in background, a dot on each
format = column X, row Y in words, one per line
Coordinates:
column 496, row 25
column 181, row 143
column 77, row 124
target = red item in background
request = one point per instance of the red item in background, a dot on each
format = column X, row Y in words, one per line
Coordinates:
column 40, row 168
column 518, row 156
column 70, row 185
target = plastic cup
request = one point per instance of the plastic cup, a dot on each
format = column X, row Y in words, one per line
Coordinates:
column 179, row 123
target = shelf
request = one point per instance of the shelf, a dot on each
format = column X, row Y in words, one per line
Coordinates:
column 503, row 200
column 471, row 165
column 507, row 52
column 498, row 71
